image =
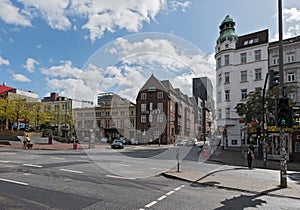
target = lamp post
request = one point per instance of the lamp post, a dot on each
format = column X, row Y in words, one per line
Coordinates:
column 283, row 153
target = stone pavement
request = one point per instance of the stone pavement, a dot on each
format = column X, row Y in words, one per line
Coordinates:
column 233, row 174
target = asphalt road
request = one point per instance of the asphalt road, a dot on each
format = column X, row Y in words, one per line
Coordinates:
column 106, row 179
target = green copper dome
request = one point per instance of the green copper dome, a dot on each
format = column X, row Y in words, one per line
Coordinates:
column 227, row 30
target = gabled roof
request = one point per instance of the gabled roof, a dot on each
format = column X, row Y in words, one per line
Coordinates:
column 153, row 82
column 4, row 88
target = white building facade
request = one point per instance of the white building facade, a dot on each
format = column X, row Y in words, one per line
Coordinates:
column 241, row 68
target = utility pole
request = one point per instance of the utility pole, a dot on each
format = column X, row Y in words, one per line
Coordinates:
column 263, row 123
column 283, row 153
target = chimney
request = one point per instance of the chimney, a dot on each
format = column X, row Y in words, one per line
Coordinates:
column 53, row 96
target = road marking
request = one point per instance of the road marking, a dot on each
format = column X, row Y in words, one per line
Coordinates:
column 120, row 164
column 32, row 165
column 72, row 171
column 162, row 197
column 12, row 181
column 8, row 153
column 57, row 158
column 4, row 161
column 119, row 177
column 151, row 204
column 170, row 193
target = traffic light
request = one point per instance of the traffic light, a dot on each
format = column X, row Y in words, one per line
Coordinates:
column 273, row 78
column 284, row 113
column 258, row 133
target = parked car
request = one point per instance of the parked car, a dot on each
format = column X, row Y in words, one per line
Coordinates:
column 134, row 141
column 124, row 140
column 192, row 142
column 180, row 143
column 104, row 140
column 117, row 144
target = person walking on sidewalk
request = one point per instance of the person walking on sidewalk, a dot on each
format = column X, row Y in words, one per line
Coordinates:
column 250, row 157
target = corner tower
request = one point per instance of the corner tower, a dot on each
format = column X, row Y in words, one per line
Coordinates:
column 227, row 38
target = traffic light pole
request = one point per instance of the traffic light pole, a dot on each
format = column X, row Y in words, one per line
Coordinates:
column 263, row 123
column 283, row 155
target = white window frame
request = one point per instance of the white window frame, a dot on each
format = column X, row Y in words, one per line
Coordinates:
column 227, row 77
column 160, row 95
column 143, row 96
column 143, row 107
column 227, row 95
column 257, row 55
column 244, row 76
column 291, row 77
column 243, row 57
column 243, row 94
column 258, row 74
column 143, row 118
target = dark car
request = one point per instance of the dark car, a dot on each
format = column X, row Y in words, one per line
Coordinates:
column 117, row 144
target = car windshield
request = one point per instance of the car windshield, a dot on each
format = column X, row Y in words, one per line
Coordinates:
column 117, row 141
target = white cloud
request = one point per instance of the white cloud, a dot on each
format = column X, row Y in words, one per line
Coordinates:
column 30, row 64
column 3, row 61
column 183, row 5
column 107, row 16
column 100, row 16
column 12, row 14
column 72, row 81
column 292, row 22
column 20, row 78
column 53, row 11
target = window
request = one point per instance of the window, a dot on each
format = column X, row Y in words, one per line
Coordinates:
column 144, row 96
column 275, row 60
column 227, row 77
column 160, row 95
column 292, row 96
column 219, row 114
column 227, row 113
column 243, row 76
column 107, row 123
column 244, row 94
column 160, row 106
column 143, row 107
column 227, row 95
column 151, row 106
column 257, row 55
column 219, row 97
column 160, row 118
column 226, row 46
column 150, row 117
column 219, row 79
column 156, row 134
column 219, row 62
column 243, row 58
column 258, row 74
column 143, row 118
column 290, row 57
column 226, row 60
column 291, row 76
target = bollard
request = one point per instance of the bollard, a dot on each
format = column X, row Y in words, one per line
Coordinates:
column 75, row 146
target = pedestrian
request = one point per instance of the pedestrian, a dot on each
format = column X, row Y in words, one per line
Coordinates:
column 25, row 141
column 250, row 157
column 50, row 139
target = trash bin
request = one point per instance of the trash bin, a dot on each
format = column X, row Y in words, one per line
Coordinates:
column 75, row 146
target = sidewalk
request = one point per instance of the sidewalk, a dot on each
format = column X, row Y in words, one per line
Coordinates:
column 233, row 174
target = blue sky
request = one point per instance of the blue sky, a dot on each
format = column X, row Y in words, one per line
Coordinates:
column 82, row 47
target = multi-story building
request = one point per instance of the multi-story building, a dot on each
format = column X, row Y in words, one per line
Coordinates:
column 62, row 107
column 163, row 113
column 241, row 68
column 113, row 117
column 203, row 93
